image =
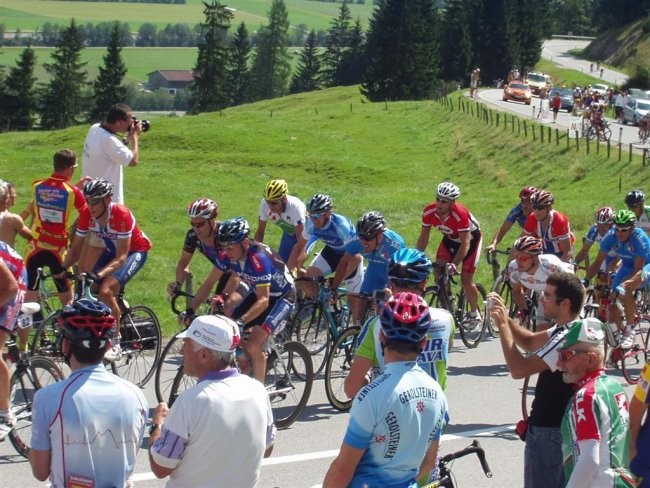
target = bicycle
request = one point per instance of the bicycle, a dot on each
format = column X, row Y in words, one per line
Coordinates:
column 140, row 336
column 446, row 478
column 501, row 285
column 31, row 374
column 441, row 295
column 338, row 365
column 598, row 131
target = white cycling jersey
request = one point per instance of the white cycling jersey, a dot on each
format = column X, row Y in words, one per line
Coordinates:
column 548, row 263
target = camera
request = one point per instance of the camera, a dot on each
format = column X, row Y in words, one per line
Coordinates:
column 146, row 125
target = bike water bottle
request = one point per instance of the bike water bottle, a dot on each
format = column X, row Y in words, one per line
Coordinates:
column 345, row 316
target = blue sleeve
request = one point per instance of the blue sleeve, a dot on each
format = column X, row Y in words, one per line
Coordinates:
column 592, row 234
column 515, row 214
column 354, row 247
column 357, row 436
column 608, row 241
column 640, row 243
column 40, row 423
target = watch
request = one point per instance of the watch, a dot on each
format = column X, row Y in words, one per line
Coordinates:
column 154, row 427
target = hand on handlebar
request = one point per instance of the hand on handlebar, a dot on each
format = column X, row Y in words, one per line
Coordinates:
column 173, row 288
column 450, row 268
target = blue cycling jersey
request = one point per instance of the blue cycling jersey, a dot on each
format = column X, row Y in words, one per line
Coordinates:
column 337, row 233
column 637, row 245
column 517, row 214
column 214, row 253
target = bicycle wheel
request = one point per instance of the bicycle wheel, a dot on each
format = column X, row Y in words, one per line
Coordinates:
column 46, row 340
column 503, row 288
column 140, row 342
column 311, row 328
column 338, row 365
column 471, row 331
column 605, row 134
column 288, row 381
column 431, row 296
column 179, row 384
column 169, row 364
column 23, row 385
column 635, row 358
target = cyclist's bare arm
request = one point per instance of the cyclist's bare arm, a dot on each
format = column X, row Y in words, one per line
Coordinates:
column 592, row 270
column 423, row 238
column 74, row 253
column 503, row 230
column 261, row 304
column 357, row 378
column 121, row 254
column 429, row 461
column 565, row 247
column 40, row 462
column 344, row 268
column 9, row 286
column 183, row 267
column 583, row 252
column 519, row 296
column 206, row 288
column 342, row 469
column 261, row 230
column 297, row 256
column 465, row 241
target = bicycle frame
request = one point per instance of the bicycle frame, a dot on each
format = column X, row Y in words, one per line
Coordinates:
column 445, row 477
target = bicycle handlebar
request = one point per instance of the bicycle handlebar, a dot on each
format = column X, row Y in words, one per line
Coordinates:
column 177, row 294
column 473, row 448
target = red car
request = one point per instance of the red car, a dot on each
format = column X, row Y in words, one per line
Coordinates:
column 518, row 92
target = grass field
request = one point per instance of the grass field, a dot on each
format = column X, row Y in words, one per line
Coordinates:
column 366, row 156
column 32, row 14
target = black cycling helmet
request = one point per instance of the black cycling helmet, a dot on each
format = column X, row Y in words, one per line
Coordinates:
column 634, row 198
column 405, row 317
column 87, row 323
column 233, row 231
column 408, row 267
column 98, row 188
column 542, row 198
column 370, row 225
column 319, row 203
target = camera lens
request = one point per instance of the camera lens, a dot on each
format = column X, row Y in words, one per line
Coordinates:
column 146, row 125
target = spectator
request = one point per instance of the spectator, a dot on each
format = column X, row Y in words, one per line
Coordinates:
column 10, row 223
column 595, row 435
column 556, row 105
column 226, row 416
column 640, row 431
column 562, row 298
column 474, row 81
column 86, row 430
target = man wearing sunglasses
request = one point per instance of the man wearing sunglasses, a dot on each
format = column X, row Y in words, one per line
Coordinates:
column 595, row 427
column 519, row 213
column 125, row 252
column 632, row 247
column 562, row 298
column 549, row 225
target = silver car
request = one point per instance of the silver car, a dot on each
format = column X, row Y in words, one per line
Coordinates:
column 635, row 109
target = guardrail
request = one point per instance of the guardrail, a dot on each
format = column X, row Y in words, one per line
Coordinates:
column 571, row 37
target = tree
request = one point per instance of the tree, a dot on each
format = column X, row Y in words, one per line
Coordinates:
column 62, row 100
column 239, row 76
column 455, row 43
column 146, row 35
column 208, row 91
column 353, row 63
column 18, row 102
column 108, row 85
column 272, row 64
column 336, row 46
column 306, row 76
column 401, row 51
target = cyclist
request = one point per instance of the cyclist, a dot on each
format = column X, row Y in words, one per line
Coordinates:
column 632, row 246
column 11, row 224
column 87, row 429
column 530, row 270
column 376, row 243
column 203, row 236
column 266, row 310
column 604, row 222
column 125, row 251
column 635, row 201
column 336, row 232
column 13, row 281
column 549, row 225
column 290, row 214
column 461, row 244
column 396, row 421
column 519, row 213
column 408, row 271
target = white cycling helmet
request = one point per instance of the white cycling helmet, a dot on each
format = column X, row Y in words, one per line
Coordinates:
column 448, row 190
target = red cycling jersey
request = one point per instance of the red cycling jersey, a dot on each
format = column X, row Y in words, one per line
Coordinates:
column 120, row 225
column 458, row 220
column 558, row 230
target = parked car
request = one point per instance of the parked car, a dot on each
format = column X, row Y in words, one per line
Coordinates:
column 635, row 109
column 600, row 89
column 518, row 92
column 566, row 95
column 538, row 82
column 638, row 93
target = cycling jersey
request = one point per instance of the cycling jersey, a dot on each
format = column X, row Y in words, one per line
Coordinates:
column 376, row 273
column 293, row 213
column 594, row 237
column 558, row 230
column 432, row 359
column 517, row 214
column 214, row 253
column 54, row 199
column 337, row 233
column 599, row 411
column 10, row 310
column 637, row 245
column 643, row 220
column 394, row 419
column 640, row 465
column 120, row 224
column 548, row 263
column 459, row 219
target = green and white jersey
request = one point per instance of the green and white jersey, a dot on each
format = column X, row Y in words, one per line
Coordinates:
column 643, row 221
column 293, row 213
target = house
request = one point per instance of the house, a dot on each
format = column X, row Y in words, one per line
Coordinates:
column 170, row 79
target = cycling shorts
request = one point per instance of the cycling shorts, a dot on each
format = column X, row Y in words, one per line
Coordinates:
column 287, row 244
column 134, row 262
column 46, row 258
column 274, row 319
column 448, row 249
column 326, row 262
column 9, row 312
column 374, row 278
column 620, row 276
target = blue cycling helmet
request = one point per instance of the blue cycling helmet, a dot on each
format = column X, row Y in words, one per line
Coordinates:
column 409, row 266
column 233, row 231
column 87, row 323
column 405, row 317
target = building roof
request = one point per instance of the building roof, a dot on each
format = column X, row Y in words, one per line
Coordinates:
column 175, row 74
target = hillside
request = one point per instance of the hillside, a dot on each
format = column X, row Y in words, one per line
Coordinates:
column 624, row 48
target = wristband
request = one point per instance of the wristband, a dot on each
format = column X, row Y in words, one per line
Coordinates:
column 153, row 428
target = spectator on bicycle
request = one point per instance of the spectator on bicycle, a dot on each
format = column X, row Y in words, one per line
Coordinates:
column 604, row 218
column 13, row 281
column 530, row 270
column 640, row 430
column 461, row 243
column 11, row 224
column 226, row 416
column 549, row 225
column 519, row 213
column 562, row 297
column 290, row 215
column 387, row 409
column 87, row 429
column 336, row 232
column 375, row 242
column 125, row 252
column 635, row 201
column 266, row 309
column 595, row 434
column 408, row 271
column 55, row 201
column 632, row 247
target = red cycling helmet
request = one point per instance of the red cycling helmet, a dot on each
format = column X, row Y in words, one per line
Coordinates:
column 405, row 317
column 605, row 215
column 527, row 192
column 203, row 208
column 529, row 245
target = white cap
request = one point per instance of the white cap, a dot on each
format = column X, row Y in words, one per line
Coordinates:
column 215, row 332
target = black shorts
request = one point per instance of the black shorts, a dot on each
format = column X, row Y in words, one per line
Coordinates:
column 43, row 258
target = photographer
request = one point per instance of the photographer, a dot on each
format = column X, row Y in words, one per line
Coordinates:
column 105, row 152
